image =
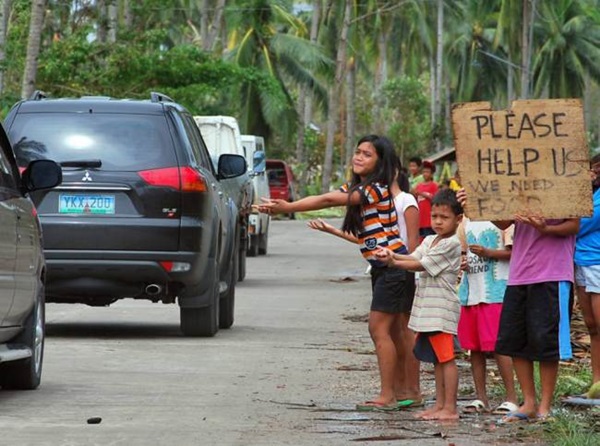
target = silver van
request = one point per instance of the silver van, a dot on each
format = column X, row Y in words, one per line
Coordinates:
column 258, row 227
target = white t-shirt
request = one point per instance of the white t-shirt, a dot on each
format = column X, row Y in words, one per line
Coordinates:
column 485, row 279
column 402, row 202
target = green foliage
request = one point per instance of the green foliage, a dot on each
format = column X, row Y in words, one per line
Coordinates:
column 336, row 212
column 204, row 84
column 572, row 429
column 407, row 107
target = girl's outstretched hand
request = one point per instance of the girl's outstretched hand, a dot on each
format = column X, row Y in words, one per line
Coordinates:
column 384, row 255
column 273, row 206
column 321, row 225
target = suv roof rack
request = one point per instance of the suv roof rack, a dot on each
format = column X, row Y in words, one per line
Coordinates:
column 37, row 95
column 159, row 97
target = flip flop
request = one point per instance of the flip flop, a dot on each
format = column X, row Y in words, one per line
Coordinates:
column 505, row 408
column 475, row 406
column 373, row 406
column 515, row 417
column 408, row 403
column 544, row 418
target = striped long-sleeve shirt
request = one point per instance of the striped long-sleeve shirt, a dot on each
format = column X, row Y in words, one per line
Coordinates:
column 436, row 306
column 380, row 222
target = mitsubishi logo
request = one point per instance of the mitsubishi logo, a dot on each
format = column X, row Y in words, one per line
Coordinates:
column 86, row 177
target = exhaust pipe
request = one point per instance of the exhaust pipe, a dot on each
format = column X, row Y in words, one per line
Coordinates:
column 153, row 289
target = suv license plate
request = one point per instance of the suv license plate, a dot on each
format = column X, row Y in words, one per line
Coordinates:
column 86, row 204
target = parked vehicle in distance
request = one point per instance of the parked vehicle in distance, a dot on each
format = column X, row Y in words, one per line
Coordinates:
column 141, row 211
column 22, row 269
column 221, row 135
column 281, row 181
column 258, row 223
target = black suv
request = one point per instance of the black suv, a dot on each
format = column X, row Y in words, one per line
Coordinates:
column 22, row 270
column 140, row 212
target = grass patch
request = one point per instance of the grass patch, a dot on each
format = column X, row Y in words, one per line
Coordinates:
column 337, row 212
column 573, row 429
column 574, row 378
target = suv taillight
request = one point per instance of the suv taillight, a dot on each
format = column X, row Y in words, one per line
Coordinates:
column 185, row 179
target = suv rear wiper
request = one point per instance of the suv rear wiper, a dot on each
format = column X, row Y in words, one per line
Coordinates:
column 82, row 163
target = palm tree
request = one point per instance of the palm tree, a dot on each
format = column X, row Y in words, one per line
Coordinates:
column 33, row 47
column 268, row 37
column 4, row 13
column 476, row 66
column 335, row 90
column 568, row 33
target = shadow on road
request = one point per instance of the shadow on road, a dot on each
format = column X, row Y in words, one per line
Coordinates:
column 113, row 330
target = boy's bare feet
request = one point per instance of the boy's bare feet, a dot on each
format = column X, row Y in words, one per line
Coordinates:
column 424, row 414
column 443, row 415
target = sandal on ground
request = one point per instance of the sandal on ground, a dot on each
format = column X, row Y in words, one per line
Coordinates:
column 544, row 418
column 372, row 406
column 516, row 417
column 409, row 402
column 505, row 408
column 475, row 406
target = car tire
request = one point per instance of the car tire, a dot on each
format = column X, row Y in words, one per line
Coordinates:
column 253, row 246
column 227, row 307
column 263, row 241
column 242, row 264
column 227, row 300
column 26, row 374
column 201, row 322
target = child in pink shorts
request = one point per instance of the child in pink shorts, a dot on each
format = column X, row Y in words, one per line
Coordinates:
column 481, row 293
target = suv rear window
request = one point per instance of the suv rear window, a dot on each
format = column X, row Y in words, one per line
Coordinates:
column 121, row 141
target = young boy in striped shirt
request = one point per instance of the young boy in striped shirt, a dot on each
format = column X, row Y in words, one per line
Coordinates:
column 436, row 307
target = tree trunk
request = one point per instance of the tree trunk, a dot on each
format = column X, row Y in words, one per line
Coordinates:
column 127, row 15
column 33, row 47
column 510, row 81
column 381, row 126
column 204, row 23
column 305, row 104
column 438, row 70
column 215, row 27
column 102, row 21
column 525, row 51
column 350, row 113
column 334, row 97
column 111, row 36
column 4, row 13
column 432, row 89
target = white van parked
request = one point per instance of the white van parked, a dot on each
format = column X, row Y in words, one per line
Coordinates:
column 258, row 227
column 222, row 135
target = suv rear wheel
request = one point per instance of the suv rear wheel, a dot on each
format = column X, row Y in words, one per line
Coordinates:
column 26, row 374
column 202, row 321
column 253, row 247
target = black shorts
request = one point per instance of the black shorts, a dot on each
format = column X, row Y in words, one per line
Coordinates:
column 391, row 290
column 535, row 321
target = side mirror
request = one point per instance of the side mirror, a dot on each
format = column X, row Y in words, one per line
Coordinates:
column 259, row 162
column 231, row 166
column 41, row 174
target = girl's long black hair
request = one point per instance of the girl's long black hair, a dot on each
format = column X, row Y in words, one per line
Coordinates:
column 384, row 174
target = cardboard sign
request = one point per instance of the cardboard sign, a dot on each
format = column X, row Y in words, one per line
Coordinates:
column 532, row 158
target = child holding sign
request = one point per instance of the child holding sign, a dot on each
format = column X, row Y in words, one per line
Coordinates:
column 534, row 325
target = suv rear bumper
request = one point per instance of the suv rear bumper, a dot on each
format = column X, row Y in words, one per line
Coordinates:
column 101, row 276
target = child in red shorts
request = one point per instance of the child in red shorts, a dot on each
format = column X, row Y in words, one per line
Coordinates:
column 481, row 293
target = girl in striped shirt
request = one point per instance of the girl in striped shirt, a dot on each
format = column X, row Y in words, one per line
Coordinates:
column 371, row 218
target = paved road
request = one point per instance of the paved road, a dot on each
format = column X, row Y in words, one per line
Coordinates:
column 288, row 372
